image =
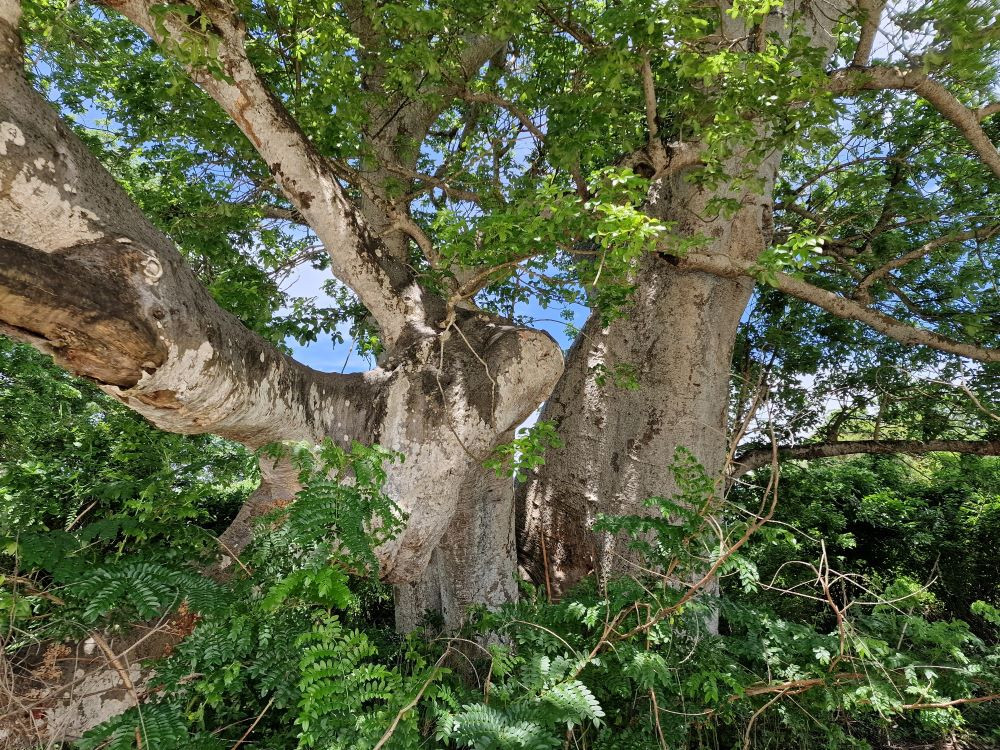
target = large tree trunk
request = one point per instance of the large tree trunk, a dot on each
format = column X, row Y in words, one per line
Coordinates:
column 475, row 562
column 678, row 337
column 87, row 278
column 620, row 443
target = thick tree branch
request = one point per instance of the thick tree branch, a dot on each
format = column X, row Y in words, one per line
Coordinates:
column 871, row 14
column 755, row 459
column 396, row 126
column 987, row 110
column 269, row 211
column 885, row 77
column 85, row 277
column 431, row 182
column 656, row 151
column 835, row 304
column 358, row 257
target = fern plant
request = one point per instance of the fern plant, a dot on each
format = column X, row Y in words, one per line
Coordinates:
column 153, row 725
column 537, row 701
column 339, row 684
column 145, row 590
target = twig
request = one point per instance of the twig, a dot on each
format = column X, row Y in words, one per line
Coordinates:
column 412, row 704
column 254, row 725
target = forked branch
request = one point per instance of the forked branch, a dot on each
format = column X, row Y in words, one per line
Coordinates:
column 358, row 257
column 837, row 305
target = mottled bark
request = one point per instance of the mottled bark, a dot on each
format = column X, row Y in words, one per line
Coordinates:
column 678, row 336
column 475, row 561
column 89, row 279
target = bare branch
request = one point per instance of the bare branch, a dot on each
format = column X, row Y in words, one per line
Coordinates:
column 754, row 459
column 571, row 27
column 269, row 211
column 656, row 151
column 862, row 291
column 987, row 110
column 487, row 98
column 949, row 704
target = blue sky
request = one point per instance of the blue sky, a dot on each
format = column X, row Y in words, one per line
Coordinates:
column 327, row 355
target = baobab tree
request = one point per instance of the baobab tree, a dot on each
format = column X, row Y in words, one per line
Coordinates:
column 453, row 160
column 892, row 199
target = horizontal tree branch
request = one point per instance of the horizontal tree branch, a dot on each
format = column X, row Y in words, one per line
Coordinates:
column 794, row 687
column 837, row 305
column 950, row 704
column 85, row 277
column 756, row 458
column 789, row 686
column 269, row 211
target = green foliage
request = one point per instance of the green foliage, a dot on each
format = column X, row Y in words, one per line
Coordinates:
column 525, row 452
column 792, row 256
column 935, row 522
column 666, row 537
column 108, row 513
column 875, row 570
column 342, row 499
column 153, row 725
column 299, row 637
column 145, row 590
column 189, row 38
column 622, row 375
column 341, row 686
column 536, row 700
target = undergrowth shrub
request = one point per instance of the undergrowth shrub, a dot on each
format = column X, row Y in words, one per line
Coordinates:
column 295, row 647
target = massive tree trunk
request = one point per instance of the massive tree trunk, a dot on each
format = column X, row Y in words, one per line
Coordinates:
column 678, row 335
column 475, row 562
column 86, row 277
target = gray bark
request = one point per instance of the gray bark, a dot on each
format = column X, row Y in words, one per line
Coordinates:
column 756, row 458
column 678, row 335
column 475, row 562
column 87, row 278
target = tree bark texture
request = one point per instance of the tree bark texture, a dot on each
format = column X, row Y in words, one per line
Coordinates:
column 86, row 277
column 619, row 443
column 678, row 338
